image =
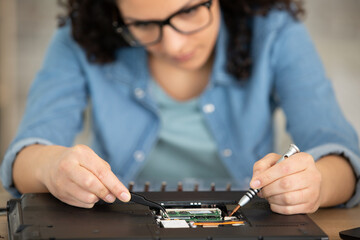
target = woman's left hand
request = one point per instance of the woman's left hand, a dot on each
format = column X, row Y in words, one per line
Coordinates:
column 291, row 186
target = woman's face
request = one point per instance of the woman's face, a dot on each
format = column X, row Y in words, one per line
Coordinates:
column 185, row 51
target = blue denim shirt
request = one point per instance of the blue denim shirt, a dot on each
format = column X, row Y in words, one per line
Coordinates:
column 287, row 73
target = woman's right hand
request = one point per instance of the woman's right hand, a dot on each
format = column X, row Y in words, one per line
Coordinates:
column 79, row 177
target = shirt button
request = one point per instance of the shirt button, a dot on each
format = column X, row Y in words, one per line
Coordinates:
column 139, row 93
column 209, row 108
column 139, row 156
column 227, row 152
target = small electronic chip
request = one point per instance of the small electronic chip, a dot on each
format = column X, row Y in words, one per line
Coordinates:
column 174, row 224
column 195, row 214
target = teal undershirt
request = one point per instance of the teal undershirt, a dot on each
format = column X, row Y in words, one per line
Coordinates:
column 185, row 148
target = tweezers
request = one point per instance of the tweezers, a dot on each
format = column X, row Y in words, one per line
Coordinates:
column 136, row 198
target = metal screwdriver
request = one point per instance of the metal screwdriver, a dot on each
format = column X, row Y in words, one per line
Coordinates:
column 252, row 192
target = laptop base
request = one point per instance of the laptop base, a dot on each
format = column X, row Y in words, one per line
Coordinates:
column 42, row 216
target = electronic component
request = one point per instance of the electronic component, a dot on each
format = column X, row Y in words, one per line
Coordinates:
column 216, row 224
column 195, row 217
column 195, row 214
column 174, row 223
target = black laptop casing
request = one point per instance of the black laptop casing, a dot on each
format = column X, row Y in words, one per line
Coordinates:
column 42, row 216
column 350, row 234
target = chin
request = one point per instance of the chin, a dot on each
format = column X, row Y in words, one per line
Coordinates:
column 191, row 65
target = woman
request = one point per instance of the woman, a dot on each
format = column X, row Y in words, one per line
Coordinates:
column 183, row 90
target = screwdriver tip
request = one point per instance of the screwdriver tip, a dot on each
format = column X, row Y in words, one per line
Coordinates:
column 235, row 210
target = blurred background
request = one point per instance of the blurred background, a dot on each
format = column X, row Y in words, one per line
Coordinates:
column 26, row 27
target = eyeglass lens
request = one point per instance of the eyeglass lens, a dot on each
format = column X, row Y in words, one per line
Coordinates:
column 187, row 21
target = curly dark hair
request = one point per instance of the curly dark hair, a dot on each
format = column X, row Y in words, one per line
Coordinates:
column 92, row 28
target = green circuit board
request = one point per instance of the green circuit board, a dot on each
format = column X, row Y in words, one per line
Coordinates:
column 195, row 214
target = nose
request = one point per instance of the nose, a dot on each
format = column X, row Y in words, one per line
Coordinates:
column 172, row 41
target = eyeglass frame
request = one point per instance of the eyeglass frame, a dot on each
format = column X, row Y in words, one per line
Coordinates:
column 125, row 32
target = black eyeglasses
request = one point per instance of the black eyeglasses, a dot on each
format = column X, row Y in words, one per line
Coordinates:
column 185, row 21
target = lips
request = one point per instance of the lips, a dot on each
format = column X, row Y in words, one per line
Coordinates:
column 184, row 57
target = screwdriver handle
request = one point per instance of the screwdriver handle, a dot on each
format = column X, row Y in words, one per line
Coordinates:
column 250, row 194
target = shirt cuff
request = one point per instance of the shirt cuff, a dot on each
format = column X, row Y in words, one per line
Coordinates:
column 353, row 159
column 8, row 161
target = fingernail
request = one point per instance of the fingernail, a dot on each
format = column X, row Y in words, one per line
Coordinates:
column 255, row 184
column 125, row 197
column 110, row 198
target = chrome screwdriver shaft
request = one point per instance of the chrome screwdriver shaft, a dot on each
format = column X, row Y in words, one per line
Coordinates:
column 250, row 194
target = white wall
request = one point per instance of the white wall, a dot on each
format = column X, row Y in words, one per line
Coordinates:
column 335, row 28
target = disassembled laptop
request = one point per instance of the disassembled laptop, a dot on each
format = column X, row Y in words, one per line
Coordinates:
column 168, row 215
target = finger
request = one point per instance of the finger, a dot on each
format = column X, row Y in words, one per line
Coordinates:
column 101, row 169
column 294, row 209
column 74, row 202
column 76, row 196
column 80, row 194
column 291, row 198
column 79, row 204
column 110, row 181
column 291, row 165
column 290, row 183
column 265, row 163
column 89, row 182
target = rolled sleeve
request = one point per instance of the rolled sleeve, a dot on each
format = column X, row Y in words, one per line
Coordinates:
column 8, row 161
column 55, row 104
column 354, row 159
column 314, row 118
